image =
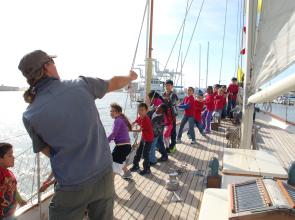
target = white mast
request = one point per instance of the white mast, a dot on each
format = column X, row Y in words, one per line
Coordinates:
column 200, row 51
column 248, row 109
column 149, row 60
column 207, row 65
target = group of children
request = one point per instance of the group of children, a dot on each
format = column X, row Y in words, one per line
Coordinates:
column 157, row 125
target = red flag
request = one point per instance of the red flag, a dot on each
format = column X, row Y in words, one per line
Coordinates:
column 243, row 51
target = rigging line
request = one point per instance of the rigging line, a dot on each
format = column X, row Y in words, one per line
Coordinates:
column 197, row 21
column 224, row 28
column 16, row 136
column 139, row 35
column 181, row 40
column 178, row 34
column 135, row 53
column 237, row 35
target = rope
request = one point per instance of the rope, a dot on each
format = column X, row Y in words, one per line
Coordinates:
column 223, row 41
column 135, row 54
column 16, row 136
column 183, row 22
column 180, row 47
column 197, row 21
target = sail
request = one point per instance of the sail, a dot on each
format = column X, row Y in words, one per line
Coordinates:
column 275, row 44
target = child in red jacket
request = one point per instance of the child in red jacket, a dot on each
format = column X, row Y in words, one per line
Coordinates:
column 199, row 105
column 219, row 103
column 207, row 114
column 188, row 106
column 146, row 140
column 232, row 91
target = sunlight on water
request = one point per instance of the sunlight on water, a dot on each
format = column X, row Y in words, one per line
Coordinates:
column 13, row 131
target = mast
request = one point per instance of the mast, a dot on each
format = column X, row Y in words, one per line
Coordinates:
column 200, row 51
column 207, row 65
column 149, row 60
column 248, row 109
column 181, row 71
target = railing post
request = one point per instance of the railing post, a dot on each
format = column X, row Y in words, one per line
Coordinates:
column 39, row 182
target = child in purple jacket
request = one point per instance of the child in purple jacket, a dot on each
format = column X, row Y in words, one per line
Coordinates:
column 120, row 135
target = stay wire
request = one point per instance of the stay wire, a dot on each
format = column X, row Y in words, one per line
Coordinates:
column 174, row 44
column 193, row 33
column 135, row 52
column 224, row 28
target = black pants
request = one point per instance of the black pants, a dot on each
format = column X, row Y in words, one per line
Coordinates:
column 143, row 150
column 161, row 147
column 173, row 135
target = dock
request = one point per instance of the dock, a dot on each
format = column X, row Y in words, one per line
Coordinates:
column 147, row 198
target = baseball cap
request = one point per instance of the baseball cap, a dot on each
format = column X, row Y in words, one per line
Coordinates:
column 169, row 81
column 33, row 61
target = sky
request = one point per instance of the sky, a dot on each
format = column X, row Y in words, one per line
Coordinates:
column 98, row 38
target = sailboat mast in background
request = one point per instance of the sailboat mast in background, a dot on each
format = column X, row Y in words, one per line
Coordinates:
column 149, row 60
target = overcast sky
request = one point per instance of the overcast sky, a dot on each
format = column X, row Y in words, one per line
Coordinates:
column 98, row 38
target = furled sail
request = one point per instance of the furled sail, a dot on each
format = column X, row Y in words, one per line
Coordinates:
column 275, row 43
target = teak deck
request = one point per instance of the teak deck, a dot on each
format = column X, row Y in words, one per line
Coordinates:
column 147, row 198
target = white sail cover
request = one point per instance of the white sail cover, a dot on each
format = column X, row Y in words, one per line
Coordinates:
column 275, row 45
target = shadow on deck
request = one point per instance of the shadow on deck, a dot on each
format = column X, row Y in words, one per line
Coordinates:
column 147, row 198
column 279, row 141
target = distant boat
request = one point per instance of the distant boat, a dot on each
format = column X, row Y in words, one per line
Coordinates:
column 9, row 88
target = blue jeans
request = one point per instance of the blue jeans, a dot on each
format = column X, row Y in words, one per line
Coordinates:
column 143, row 151
column 200, row 126
column 230, row 105
column 206, row 120
column 191, row 123
column 153, row 158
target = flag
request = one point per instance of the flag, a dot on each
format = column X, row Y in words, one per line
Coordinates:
column 243, row 51
column 240, row 75
column 259, row 6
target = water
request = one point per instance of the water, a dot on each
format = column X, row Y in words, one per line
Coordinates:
column 12, row 130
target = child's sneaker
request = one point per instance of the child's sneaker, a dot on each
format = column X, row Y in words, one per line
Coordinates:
column 193, row 142
column 145, row 172
column 189, row 136
column 168, row 150
column 127, row 175
column 134, row 168
column 162, row 159
column 173, row 149
column 153, row 163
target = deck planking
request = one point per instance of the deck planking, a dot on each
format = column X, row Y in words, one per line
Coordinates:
column 276, row 140
column 147, row 198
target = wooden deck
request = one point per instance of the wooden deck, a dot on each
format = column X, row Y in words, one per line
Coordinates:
column 147, row 198
column 278, row 141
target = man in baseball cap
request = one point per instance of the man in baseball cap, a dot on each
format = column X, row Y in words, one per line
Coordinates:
column 64, row 124
column 33, row 61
